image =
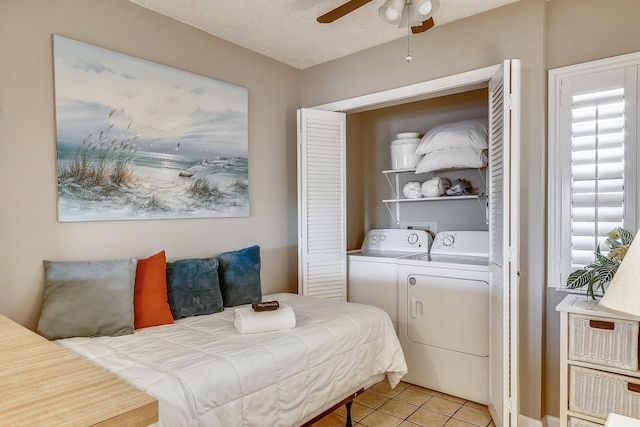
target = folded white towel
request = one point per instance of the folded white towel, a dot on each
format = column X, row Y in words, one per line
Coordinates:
column 435, row 187
column 248, row 321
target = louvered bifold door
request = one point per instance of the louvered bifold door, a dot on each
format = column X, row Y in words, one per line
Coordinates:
column 322, row 204
column 503, row 183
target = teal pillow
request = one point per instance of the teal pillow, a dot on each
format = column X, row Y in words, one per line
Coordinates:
column 240, row 276
column 84, row 299
column 193, row 288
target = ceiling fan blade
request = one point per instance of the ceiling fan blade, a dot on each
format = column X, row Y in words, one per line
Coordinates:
column 341, row 11
column 424, row 27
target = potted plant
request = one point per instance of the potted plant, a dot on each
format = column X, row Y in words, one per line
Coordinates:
column 599, row 273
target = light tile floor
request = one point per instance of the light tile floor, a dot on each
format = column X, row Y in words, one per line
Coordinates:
column 408, row 405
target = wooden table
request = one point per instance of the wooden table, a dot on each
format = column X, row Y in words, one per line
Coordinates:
column 44, row 384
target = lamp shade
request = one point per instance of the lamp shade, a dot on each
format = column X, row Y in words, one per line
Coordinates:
column 623, row 293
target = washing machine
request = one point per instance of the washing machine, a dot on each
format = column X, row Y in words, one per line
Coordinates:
column 443, row 315
column 372, row 270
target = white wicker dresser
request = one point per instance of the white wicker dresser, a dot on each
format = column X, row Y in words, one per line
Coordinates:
column 599, row 363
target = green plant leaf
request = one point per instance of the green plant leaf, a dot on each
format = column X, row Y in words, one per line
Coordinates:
column 613, row 243
column 602, row 270
column 580, row 278
column 590, row 290
column 600, row 259
column 626, row 237
column 605, row 274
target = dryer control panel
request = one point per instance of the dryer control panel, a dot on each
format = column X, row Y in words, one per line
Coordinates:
column 461, row 243
column 397, row 239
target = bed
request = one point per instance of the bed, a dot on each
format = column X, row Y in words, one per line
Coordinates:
column 204, row 373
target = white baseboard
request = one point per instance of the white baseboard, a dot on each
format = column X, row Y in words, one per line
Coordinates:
column 550, row 421
column 547, row 421
column 529, row 422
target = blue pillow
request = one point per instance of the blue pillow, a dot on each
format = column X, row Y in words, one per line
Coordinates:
column 240, row 276
column 193, row 288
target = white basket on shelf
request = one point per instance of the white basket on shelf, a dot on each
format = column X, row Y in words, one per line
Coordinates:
column 597, row 393
column 605, row 341
column 578, row 422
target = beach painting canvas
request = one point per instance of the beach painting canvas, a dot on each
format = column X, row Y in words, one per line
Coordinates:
column 140, row 140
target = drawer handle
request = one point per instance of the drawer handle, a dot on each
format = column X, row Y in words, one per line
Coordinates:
column 601, row 324
column 635, row 388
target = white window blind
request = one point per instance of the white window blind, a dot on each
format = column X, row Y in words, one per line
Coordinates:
column 597, row 171
column 593, row 160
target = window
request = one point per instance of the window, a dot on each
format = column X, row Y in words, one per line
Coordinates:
column 592, row 159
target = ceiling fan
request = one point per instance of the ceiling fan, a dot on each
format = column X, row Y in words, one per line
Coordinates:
column 415, row 13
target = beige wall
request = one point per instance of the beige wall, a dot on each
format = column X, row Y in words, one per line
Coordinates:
column 29, row 231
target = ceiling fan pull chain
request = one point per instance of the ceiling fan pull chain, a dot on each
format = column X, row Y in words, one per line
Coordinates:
column 408, row 58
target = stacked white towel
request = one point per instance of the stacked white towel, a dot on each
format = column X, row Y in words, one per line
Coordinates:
column 411, row 190
column 248, row 321
column 435, row 187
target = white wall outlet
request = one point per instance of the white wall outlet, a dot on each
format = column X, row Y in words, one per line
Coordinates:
column 431, row 227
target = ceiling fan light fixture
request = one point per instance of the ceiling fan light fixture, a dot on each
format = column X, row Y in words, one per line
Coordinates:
column 410, row 17
column 391, row 11
column 426, row 8
column 392, row 14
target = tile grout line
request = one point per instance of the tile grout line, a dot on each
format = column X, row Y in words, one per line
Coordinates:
column 389, row 397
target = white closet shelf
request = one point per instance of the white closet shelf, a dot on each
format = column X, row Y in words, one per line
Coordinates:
column 435, row 199
column 395, row 187
column 400, row 170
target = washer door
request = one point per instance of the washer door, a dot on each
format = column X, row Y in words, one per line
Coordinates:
column 374, row 283
column 449, row 313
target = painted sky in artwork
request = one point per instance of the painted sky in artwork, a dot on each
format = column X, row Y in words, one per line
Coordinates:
column 170, row 110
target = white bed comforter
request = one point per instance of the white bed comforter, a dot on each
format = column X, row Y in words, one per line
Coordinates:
column 204, row 373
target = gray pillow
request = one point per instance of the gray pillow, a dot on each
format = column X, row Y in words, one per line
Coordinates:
column 84, row 299
column 240, row 276
column 193, row 287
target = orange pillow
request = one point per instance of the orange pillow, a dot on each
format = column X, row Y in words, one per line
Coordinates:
column 150, row 302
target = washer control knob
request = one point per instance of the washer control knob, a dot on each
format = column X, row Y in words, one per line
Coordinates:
column 412, row 281
column 412, row 238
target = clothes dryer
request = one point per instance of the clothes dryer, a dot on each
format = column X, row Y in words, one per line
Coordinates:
column 443, row 315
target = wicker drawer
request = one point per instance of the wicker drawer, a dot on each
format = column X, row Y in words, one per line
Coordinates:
column 605, row 341
column 597, row 393
column 577, row 422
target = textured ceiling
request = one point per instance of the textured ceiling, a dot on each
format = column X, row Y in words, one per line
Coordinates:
column 287, row 31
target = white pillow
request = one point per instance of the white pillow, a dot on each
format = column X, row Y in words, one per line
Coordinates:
column 463, row 134
column 455, row 158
